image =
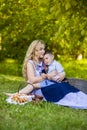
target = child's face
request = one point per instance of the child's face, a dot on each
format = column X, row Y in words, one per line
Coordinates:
column 48, row 59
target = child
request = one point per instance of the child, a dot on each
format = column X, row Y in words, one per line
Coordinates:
column 53, row 69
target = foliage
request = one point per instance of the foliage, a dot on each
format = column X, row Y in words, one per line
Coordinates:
column 10, row 67
column 61, row 24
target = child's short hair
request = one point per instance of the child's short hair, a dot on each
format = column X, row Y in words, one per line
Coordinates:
column 48, row 52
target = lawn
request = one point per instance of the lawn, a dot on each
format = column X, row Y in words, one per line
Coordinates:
column 42, row 116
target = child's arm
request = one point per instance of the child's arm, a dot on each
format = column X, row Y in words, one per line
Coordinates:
column 59, row 77
column 51, row 74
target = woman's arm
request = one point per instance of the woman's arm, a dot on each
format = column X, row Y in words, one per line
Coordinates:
column 31, row 74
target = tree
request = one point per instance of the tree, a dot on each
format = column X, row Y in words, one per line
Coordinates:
column 61, row 24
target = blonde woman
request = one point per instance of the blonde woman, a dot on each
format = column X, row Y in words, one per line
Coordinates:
column 61, row 93
column 33, row 66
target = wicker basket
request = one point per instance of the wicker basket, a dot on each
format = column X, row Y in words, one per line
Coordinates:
column 78, row 83
column 36, row 98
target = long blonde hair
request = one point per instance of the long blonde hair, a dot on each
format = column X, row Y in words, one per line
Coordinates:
column 30, row 54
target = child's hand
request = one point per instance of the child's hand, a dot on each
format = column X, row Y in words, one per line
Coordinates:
column 44, row 76
column 56, row 78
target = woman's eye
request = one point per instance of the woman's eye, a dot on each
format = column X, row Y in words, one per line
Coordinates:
column 42, row 49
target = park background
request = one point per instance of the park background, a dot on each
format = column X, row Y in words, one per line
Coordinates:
column 62, row 25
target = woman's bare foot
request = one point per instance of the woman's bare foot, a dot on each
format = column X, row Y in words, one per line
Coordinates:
column 9, row 94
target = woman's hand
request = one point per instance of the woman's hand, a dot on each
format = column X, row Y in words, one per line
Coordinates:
column 49, row 77
column 43, row 75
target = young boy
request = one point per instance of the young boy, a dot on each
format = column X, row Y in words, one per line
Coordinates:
column 53, row 69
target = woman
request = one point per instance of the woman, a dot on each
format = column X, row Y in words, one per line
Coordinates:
column 61, row 93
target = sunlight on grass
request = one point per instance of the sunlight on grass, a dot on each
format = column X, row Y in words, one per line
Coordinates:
column 10, row 77
column 9, row 60
column 10, row 67
column 76, row 68
column 83, row 61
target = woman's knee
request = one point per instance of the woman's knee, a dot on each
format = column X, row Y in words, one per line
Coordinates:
column 37, row 85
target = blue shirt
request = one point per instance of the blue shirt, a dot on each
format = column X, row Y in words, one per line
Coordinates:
column 55, row 65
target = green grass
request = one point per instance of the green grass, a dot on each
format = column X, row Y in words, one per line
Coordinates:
column 42, row 116
column 76, row 68
column 10, row 67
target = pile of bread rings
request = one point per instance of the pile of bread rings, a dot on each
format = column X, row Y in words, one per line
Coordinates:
column 19, row 98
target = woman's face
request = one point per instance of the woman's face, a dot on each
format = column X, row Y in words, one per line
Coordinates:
column 40, row 50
